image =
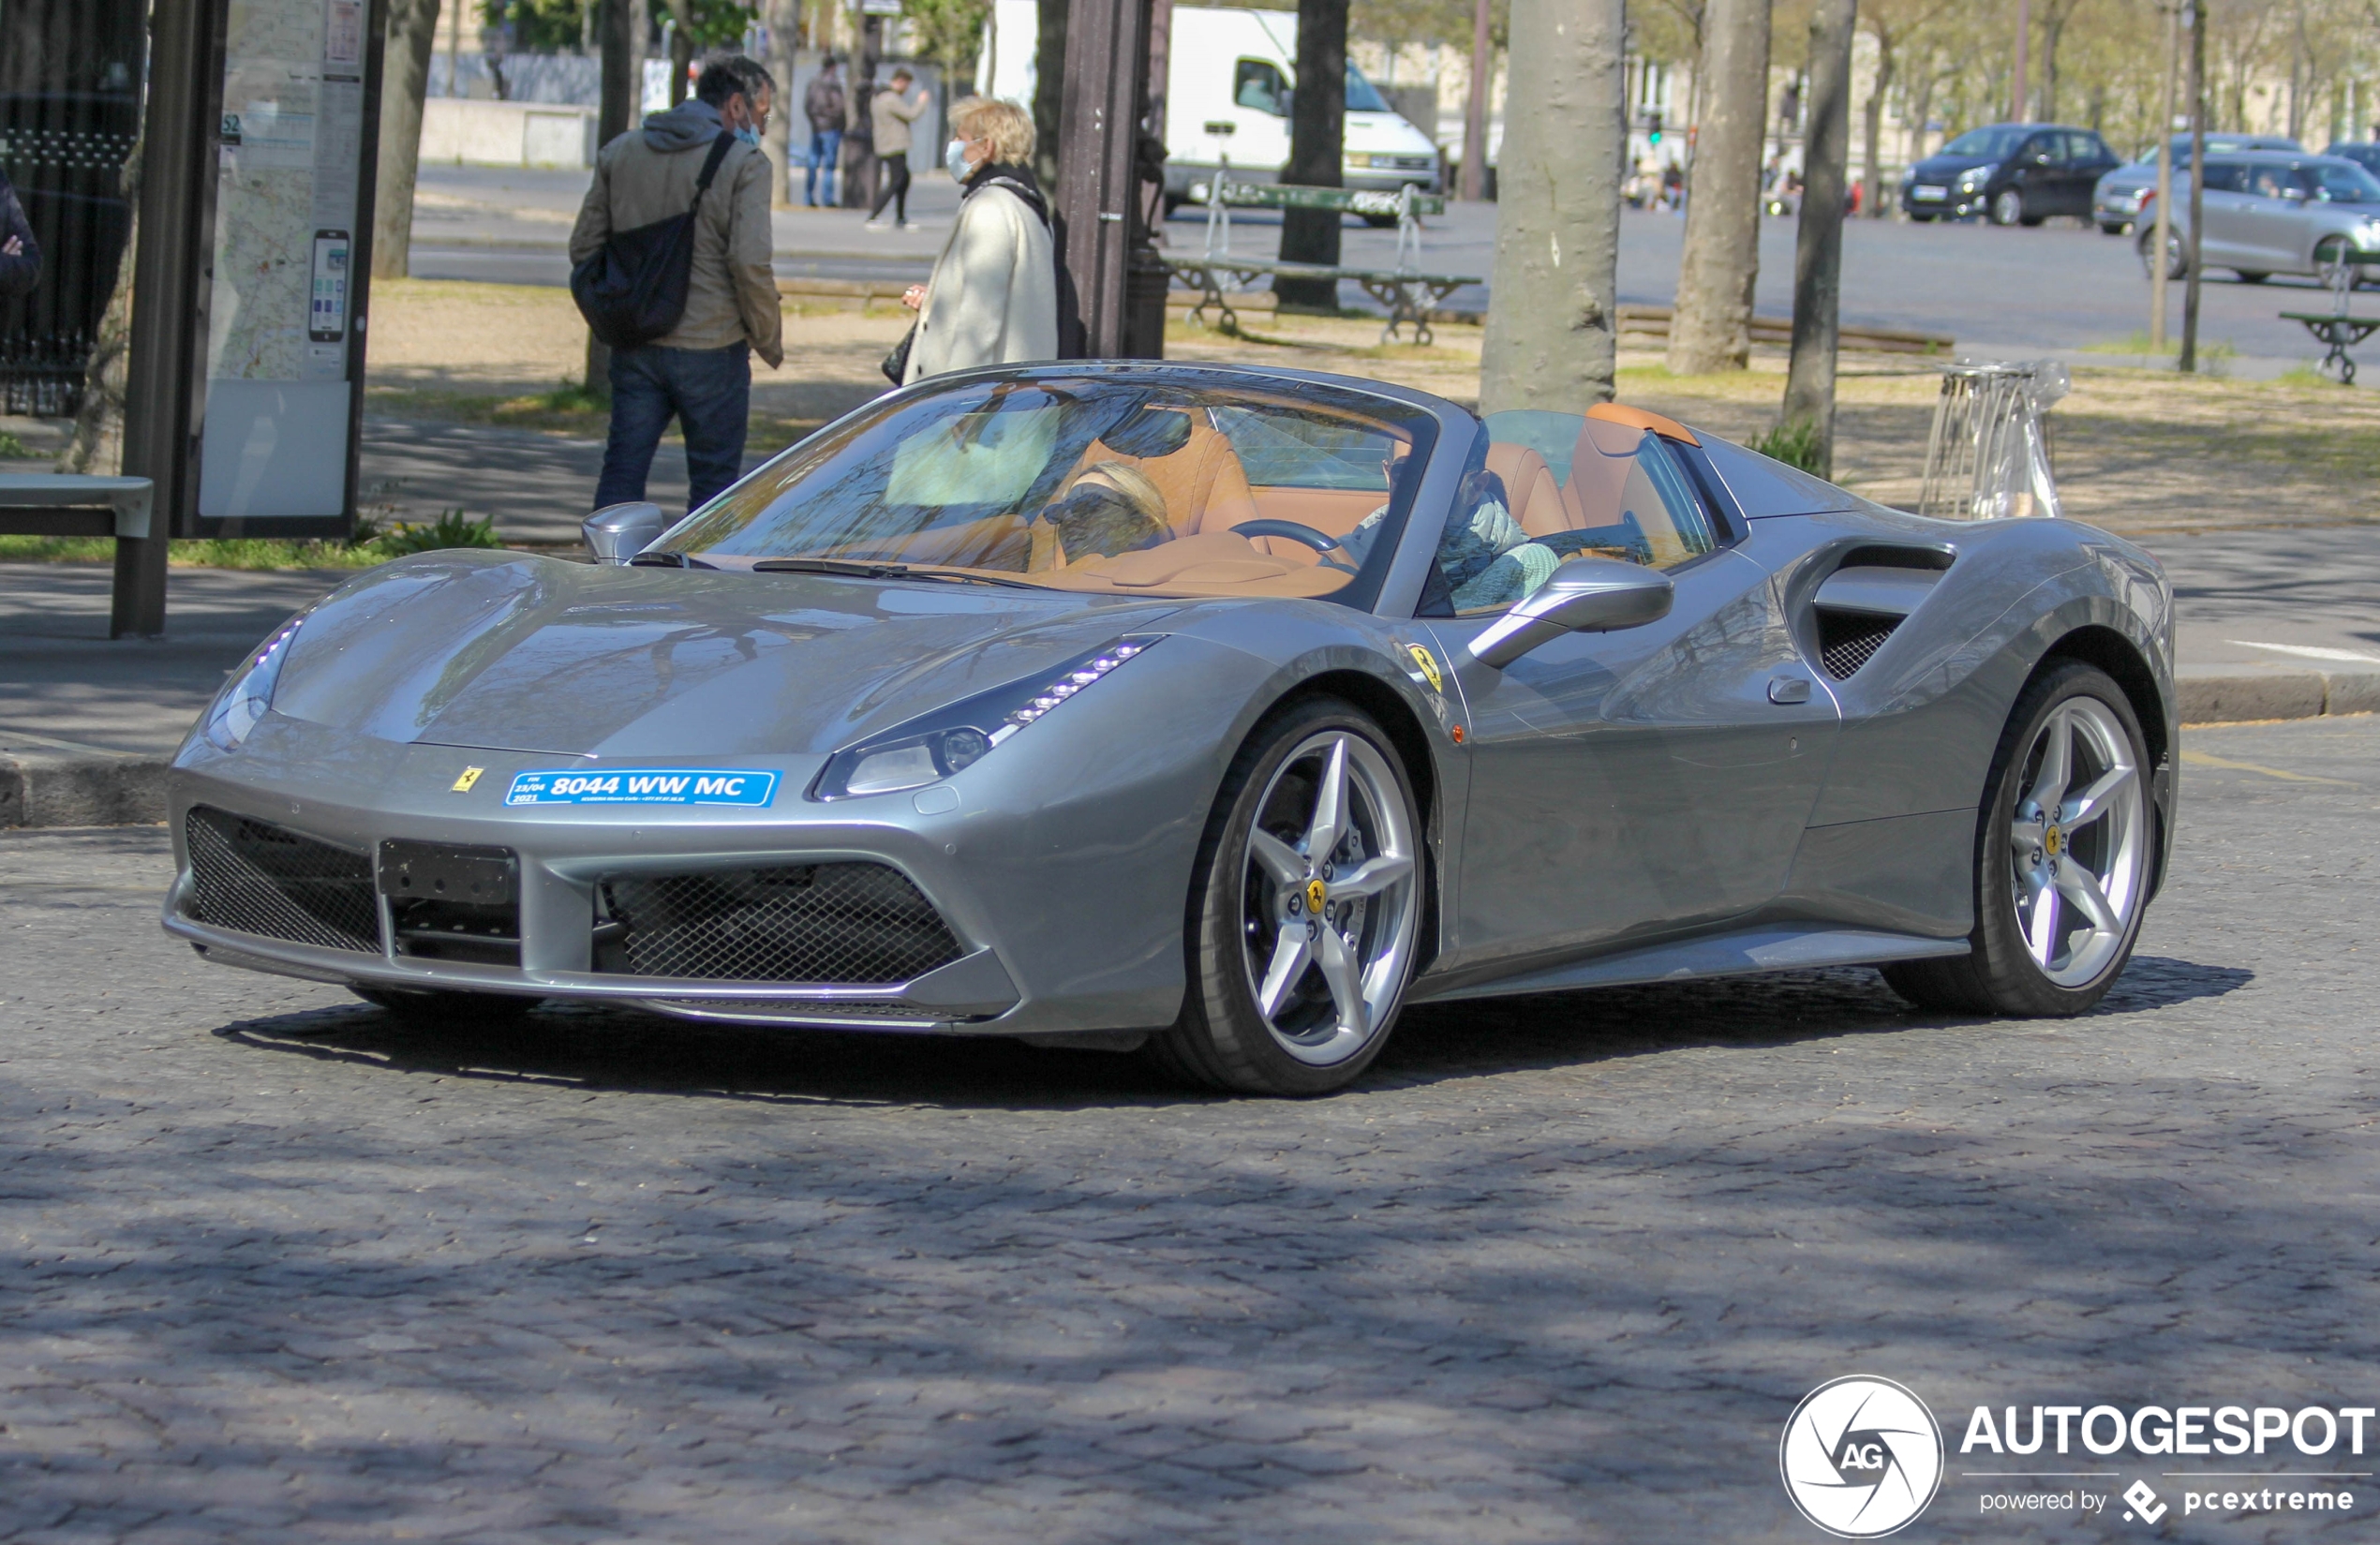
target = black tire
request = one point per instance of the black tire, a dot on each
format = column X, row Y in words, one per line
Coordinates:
column 2123, row 229
column 1379, row 222
column 2252, row 275
column 1222, row 1039
column 446, row 1007
column 2001, row 977
column 2177, row 254
column 2008, row 208
column 1921, row 219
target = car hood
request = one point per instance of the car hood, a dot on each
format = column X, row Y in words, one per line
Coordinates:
column 1942, row 168
column 504, row 652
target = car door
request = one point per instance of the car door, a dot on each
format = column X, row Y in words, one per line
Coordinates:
column 1649, row 779
column 2087, row 161
column 2224, row 235
column 2039, row 168
column 2271, row 210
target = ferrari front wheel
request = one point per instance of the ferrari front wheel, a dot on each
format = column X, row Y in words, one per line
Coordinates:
column 2061, row 856
column 1304, row 909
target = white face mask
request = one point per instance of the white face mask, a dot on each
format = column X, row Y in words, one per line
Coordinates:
column 954, row 157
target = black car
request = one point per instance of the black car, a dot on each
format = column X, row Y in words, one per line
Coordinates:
column 2363, row 152
column 2017, row 173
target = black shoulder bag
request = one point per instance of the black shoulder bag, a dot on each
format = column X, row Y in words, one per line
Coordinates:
column 635, row 290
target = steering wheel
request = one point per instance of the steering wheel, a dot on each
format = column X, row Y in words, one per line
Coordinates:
column 1321, row 542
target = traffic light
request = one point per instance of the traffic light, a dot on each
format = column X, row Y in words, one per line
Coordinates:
column 1652, row 128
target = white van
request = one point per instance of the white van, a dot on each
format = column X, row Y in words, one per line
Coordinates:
column 1236, row 68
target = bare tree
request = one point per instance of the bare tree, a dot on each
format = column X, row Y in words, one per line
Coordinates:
column 1894, row 25
column 1553, row 328
column 404, row 81
column 1711, row 329
column 2054, row 15
column 1818, row 251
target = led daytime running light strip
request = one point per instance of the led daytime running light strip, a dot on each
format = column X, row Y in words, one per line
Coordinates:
column 1067, row 685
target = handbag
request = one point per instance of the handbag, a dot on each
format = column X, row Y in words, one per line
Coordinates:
column 633, row 290
column 896, row 365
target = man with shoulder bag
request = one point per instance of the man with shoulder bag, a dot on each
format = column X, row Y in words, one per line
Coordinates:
column 671, row 265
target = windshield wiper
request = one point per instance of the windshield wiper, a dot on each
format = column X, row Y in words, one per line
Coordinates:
column 853, row 568
column 668, row 560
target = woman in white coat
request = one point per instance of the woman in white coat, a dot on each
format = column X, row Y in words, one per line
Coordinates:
column 993, row 297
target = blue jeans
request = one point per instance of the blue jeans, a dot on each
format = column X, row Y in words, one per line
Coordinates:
column 709, row 391
column 826, row 145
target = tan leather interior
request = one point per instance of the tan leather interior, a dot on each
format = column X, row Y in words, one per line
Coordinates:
column 1637, row 418
column 1537, row 500
column 1203, row 483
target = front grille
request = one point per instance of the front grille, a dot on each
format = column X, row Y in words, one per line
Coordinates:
column 252, row 877
column 1848, row 640
column 851, row 923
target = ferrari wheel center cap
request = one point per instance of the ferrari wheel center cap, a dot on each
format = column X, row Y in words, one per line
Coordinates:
column 2053, row 841
column 1316, row 893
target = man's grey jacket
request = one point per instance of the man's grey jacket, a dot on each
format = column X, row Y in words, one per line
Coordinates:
column 648, row 174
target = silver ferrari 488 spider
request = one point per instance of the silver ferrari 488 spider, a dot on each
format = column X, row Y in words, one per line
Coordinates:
column 1210, row 711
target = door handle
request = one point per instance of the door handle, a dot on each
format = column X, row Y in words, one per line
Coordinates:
column 1789, row 689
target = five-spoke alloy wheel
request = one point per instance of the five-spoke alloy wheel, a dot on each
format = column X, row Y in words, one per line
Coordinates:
column 2064, row 856
column 1307, row 909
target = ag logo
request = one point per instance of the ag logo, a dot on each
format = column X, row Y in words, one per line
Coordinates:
column 1861, row 1457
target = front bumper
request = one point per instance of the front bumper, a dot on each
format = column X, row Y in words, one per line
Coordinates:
column 1061, row 896
column 1942, row 202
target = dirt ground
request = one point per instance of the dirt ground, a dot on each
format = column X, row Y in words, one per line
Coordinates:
column 2136, row 451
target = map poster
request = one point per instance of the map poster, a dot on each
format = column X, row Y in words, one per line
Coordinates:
column 281, row 335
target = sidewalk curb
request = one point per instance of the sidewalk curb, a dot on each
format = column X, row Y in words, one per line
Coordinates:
column 44, row 787
column 87, row 787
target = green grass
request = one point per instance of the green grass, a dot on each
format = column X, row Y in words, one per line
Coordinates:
column 1795, row 444
column 13, row 448
column 371, row 545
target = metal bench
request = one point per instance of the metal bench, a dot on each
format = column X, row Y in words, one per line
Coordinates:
column 1407, row 294
column 2336, row 331
column 67, row 504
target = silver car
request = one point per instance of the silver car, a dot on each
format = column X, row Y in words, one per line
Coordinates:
column 2125, row 196
column 1213, row 712
column 2267, row 212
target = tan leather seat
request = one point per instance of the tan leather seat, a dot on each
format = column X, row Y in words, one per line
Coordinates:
column 1204, row 486
column 1536, row 499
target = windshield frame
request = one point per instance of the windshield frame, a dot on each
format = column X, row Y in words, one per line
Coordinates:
column 1440, row 425
column 2013, row 136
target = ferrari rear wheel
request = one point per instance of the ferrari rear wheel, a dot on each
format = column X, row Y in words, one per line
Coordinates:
column 2063, row 858
column 443, row 1007
column 1304, row 909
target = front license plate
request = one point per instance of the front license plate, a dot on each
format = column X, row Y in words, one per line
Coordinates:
column 1929, row 194
column 644, row 786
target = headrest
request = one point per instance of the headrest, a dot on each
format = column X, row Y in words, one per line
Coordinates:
column 1149, row 433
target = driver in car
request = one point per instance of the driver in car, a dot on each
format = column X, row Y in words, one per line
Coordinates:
column 1486, row 560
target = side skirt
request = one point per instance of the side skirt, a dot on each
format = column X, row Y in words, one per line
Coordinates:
column 1741, row 952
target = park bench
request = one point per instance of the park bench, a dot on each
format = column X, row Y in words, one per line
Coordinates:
column 1408, row 295
column 2334, row 329
column 66, row 504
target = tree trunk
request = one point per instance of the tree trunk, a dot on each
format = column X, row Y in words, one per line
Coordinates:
column 1711, row 329
column 622, row 88
column 1551, row 329
column 1317, row 142
column 1475, row 107
column 784, row 25
column 97, row 445
column 1048, row 90
column 2188, row 362
column 404, row 81
column 1877, row 207
column 681, row 48
column 1818, row 252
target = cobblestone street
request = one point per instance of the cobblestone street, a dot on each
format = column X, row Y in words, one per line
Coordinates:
column 278, row 1268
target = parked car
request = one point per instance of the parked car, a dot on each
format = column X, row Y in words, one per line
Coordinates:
column 2124, row 196
column 1212, row 711
column 2270, row 212
column 2363, row 152
column 2017, row 173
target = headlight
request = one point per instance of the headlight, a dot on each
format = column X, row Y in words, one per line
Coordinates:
column 249, row 692
column 951, row 740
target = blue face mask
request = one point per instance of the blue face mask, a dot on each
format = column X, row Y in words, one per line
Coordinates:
column 749, row 136
column 954, row 157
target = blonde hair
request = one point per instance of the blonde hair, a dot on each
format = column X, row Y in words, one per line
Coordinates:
column 1003, row 125
column 1133, row 484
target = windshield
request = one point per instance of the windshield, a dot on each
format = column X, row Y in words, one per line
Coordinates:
column 1135, row 483
column 1361, row 95
column 2340, row 182
column 1989, row 144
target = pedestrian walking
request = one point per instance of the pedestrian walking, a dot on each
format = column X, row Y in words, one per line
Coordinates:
column 993, row 296
column 823, row 105
column 20, row 253
column 891, row 113
column 700, row 372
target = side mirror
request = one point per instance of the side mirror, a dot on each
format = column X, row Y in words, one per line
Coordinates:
column 619, row 532
column 1586, row 595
